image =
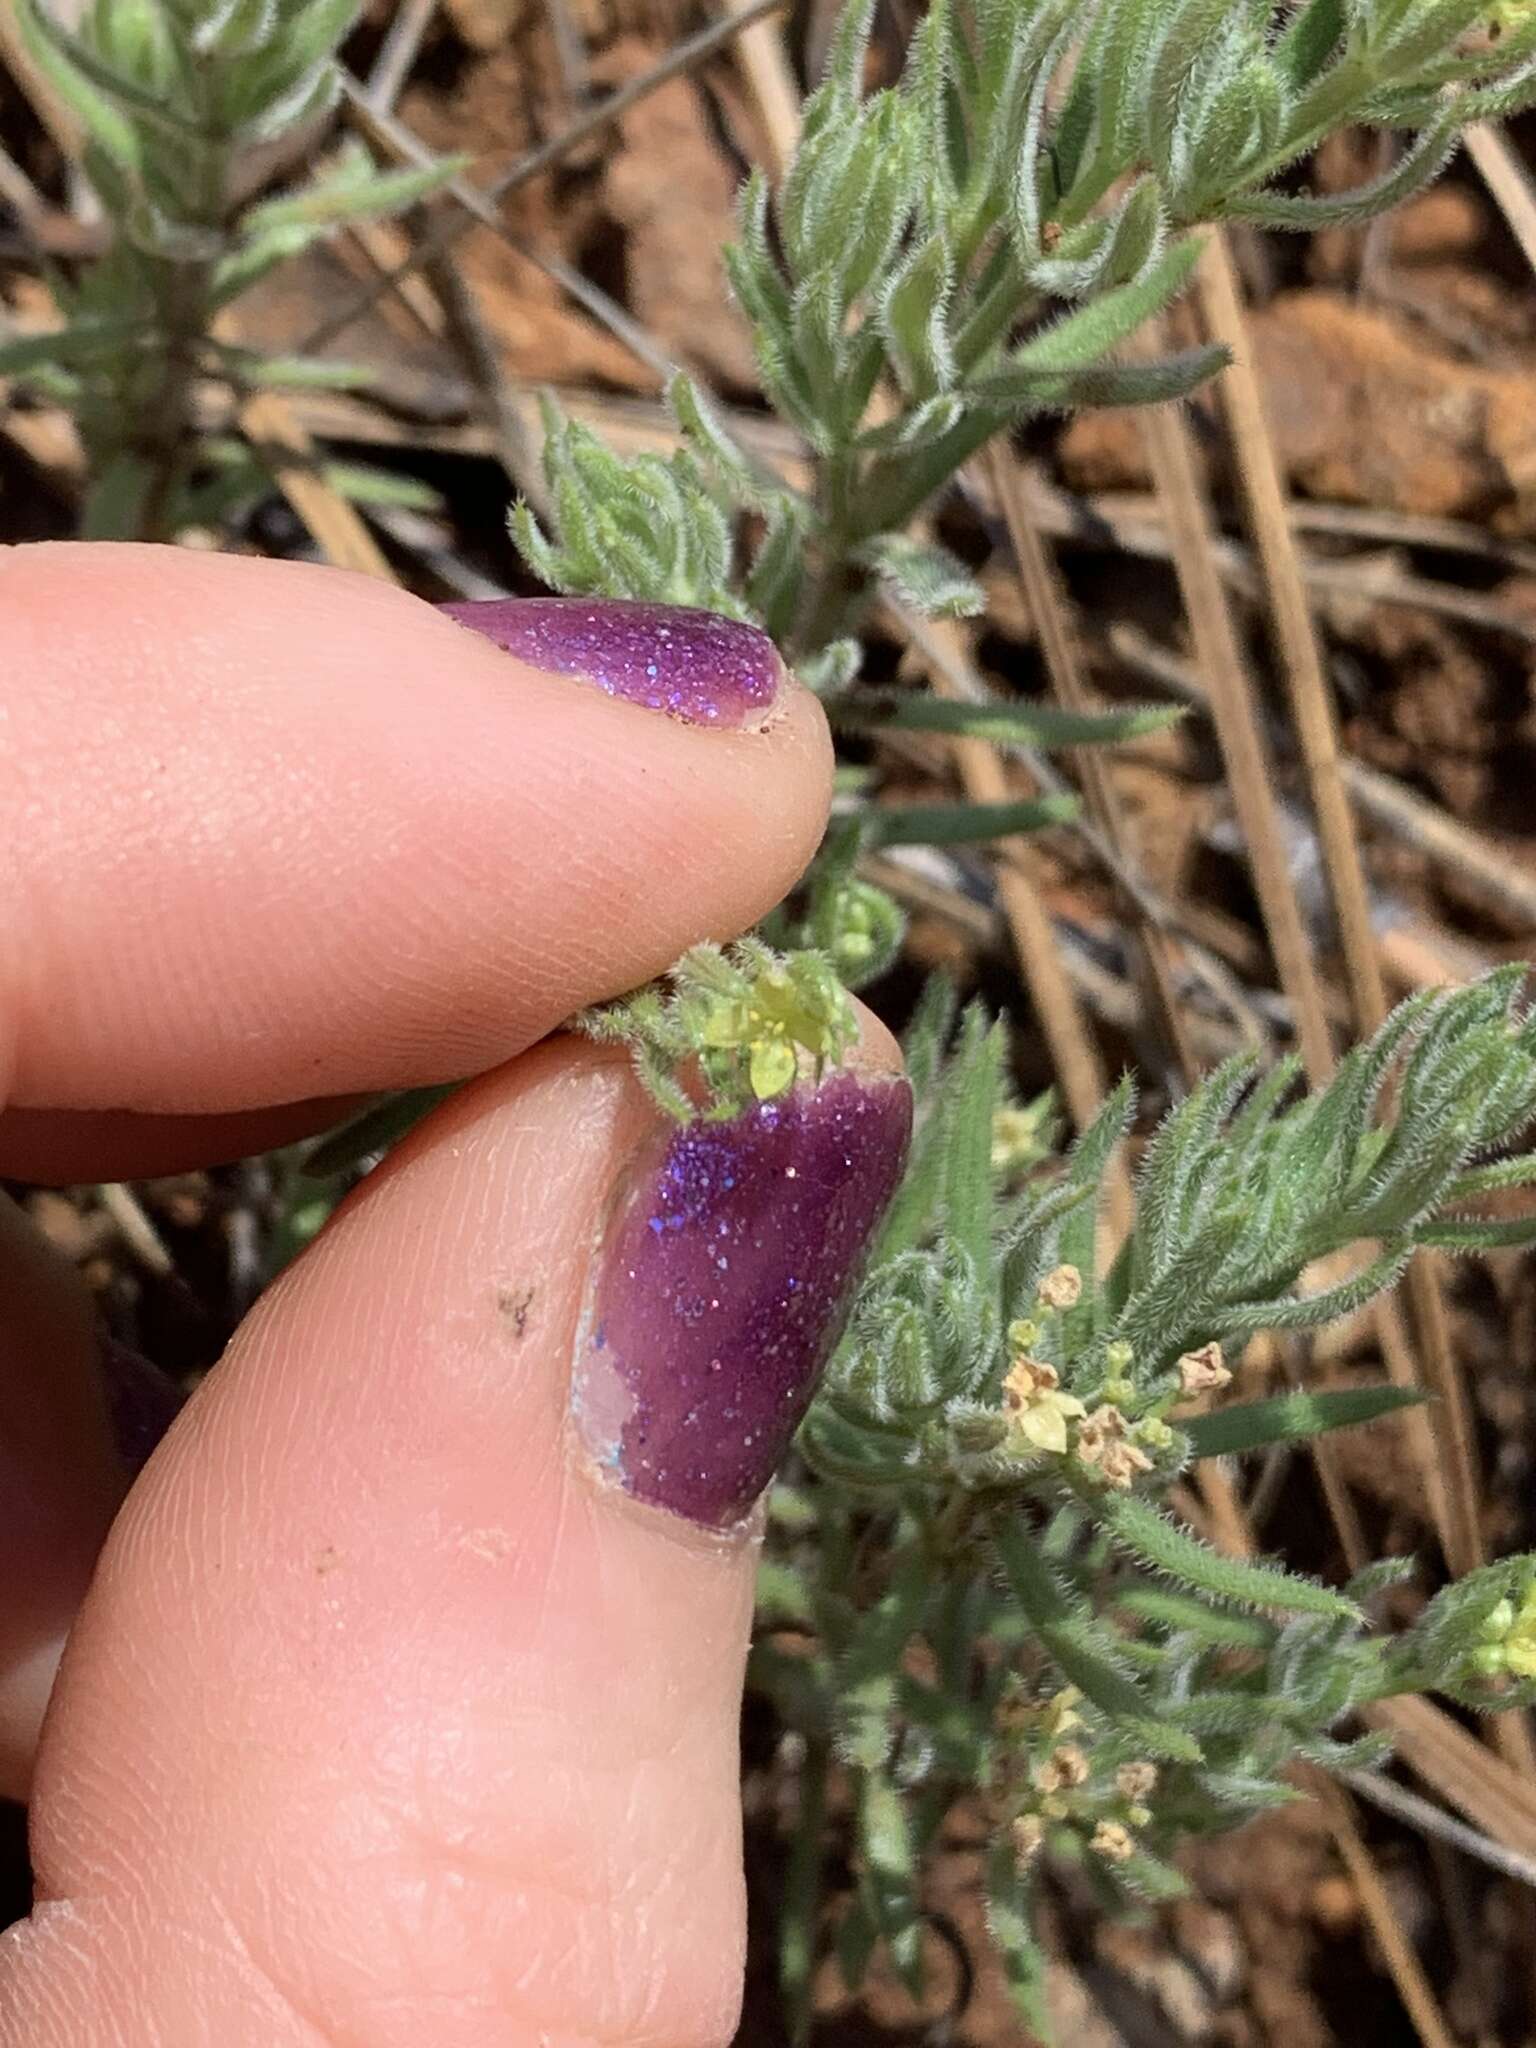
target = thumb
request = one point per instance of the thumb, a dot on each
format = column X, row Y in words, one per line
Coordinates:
column 404, row 1704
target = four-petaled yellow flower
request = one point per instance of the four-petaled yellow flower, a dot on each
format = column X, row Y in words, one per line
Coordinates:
column 1509, row 1646
column 1036, row 1406
column 769, row 1025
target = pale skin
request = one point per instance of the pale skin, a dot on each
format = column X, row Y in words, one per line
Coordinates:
column 380, row 1722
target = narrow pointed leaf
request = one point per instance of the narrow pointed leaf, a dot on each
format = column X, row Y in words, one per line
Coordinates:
column 1152, row 1539
column 1033, row 725
column 964, row 824
column 1291, row 1418
column 377, row 1128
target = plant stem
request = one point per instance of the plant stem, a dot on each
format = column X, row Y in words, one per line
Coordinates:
column 166, row 429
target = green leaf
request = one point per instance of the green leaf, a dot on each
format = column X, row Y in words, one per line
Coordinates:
column 1034, row 725
column 78, row 346
column 1310, row 1311
column 1140, row 227
column 928, row 1033
column 1494, row 1178
column 1312, row 38
column 890, row 1868
column 112, row 107
column 912, row 308
column 775, row 578
column 1148, row 1536
column 1083, row 336
column 1516, row 95
column 1077, row 262
column 843, row 78
column 349, row 196
column 1470, row 1234
column 1160, row 382
column 117, row 499
column 1112, row 79
column 1403, row 37
column 1291, row 1418
column 108, row 126
column 925, row 576
column 1237, row 131
column 820, row 342
column 1176, row 1184
column 296, row 373
column 294, row 74
column 1148, row 1877
column 366, row 483
column 703, row 432
column 962, row 824
column 1087, row 1166
column 1198, row 42
column 752, row 266
column 1010, row 1923
column 1419, row 166
column 970, row 1107
column 1086, row 1651
column 1183, row 1615
column 375, row 1129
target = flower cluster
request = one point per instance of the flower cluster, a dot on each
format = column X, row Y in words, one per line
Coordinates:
column 742, row 1021
column 1052, row 1776
column 1508, row 1648
column 1105, row 1445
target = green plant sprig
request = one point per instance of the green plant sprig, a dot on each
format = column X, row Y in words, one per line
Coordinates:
column 975, row 243
column 1000, row 1428
column 739, row 1024
column 176, row 99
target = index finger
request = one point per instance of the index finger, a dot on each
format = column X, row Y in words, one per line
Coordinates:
column 274, row 832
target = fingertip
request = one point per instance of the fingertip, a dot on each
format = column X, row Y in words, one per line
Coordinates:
column 316, row 838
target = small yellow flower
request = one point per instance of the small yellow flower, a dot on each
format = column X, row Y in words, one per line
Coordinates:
column 1107, row 1422
column 1103, row 1448
column 1122, row 1464
column 1520, row 1644
column 1059, row 1715
column 1136, row 1782
column 1510, row 1633
column 1051, row 1718
column 1113, row 1842
column 770, row 1024
column 1015, row 1139
column 1063, row 1770
column 1062, row 1288
column 1037, row 1408
column 771, row 1067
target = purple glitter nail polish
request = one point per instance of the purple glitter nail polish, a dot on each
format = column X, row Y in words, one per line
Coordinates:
column 695, row 666
column 726, row 1273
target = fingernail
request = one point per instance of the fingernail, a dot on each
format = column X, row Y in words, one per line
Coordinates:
column 142, row 1402
column 695, row 666
column 726, row 1272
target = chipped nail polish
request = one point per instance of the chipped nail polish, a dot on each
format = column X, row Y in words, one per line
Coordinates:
column 726, row 1272
column 695, row 666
